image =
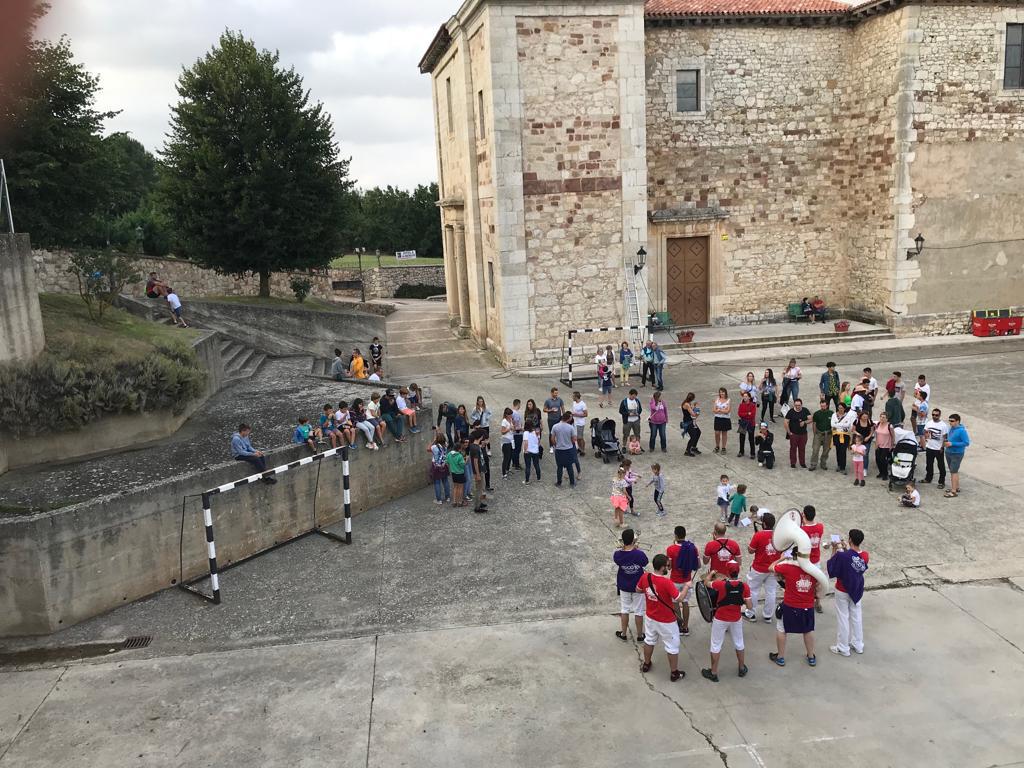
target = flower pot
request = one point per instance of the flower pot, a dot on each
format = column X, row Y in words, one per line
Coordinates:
column 685, row 337
column 842, row 326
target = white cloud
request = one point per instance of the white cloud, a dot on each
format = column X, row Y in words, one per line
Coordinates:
column 357, row 56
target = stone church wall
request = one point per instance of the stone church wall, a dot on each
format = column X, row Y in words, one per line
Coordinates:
column 763, row 151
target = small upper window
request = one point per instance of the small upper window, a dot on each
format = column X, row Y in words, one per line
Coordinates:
column 688, row 90
column 480, row 114
column 1013, row 74
column 451, row 108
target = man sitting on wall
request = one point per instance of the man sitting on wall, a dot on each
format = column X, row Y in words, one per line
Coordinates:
column 155, row 288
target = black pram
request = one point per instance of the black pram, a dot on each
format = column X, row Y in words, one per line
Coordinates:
column 603, row 439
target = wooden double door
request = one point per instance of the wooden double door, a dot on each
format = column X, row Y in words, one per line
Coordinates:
column 686, row 272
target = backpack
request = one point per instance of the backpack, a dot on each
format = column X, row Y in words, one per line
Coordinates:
column 733, row 594
column 687, row 559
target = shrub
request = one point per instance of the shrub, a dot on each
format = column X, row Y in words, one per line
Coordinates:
column 53, row 395
column 407, row 291
column 301, row 286
column 101, row 276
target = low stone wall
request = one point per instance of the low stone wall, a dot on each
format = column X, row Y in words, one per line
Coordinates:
column 943, row 324
column 61, row 567
column 192, row 281
column 115, row 432
column 288, row 331
column 21, row 323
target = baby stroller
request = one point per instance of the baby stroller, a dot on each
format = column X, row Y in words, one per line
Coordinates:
column 904, row 461
column 603, row 439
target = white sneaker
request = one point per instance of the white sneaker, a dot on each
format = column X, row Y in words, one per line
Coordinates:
column 750, row 615
column 551, row 450
column 859, row 650
column 835, row 649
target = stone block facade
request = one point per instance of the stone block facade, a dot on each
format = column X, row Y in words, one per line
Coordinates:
column 191, row 280
column 820, row 148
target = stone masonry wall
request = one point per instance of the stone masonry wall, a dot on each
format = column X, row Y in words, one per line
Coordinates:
column 968, row 162
column 863, row 169
column 763, row 150
column 572, row 179
column 191, row 280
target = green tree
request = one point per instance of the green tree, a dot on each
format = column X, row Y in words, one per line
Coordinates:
column 253, row 181
column 51, row 142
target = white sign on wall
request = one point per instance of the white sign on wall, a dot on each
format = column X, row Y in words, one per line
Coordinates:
column 405, row 255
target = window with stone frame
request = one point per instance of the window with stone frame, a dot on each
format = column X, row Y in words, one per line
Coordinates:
column 490, row 280
column 1013, row 73
column 449, row 105
column 688, row 90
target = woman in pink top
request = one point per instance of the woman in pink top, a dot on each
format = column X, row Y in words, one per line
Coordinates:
column 884, row 442
column 658, row 419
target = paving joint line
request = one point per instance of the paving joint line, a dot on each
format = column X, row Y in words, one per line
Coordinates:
column 34, row 711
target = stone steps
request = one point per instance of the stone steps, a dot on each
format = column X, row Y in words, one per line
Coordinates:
column 240, row 362
column 779, row 341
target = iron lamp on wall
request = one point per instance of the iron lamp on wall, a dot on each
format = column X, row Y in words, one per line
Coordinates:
column 918, row 247
column 641, row 260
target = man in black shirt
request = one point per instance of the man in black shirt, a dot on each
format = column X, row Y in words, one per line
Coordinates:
column 797, row 419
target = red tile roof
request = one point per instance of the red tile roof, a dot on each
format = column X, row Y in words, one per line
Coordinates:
column 682, row 8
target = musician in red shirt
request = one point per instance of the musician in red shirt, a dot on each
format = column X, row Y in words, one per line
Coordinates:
column 797, row 610
column 731, row 594
column 684, row 553
column 660, row 619
column 720, row 550
column 760, row 575
column 816, row 533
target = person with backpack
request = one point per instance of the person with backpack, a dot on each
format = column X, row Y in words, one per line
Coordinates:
column 661, row 620
column 760, row 576
column 685, row 560
column 439, row 471
column 721, row 549
column 729, row 595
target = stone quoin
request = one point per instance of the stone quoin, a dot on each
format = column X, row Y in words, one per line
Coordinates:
column 759, row 151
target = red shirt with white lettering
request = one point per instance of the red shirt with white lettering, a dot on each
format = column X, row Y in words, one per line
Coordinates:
column 799, row 586
column 815, row 531
column 658, row 609
column 839, row 582
column 764, row 553
column 721, row 551
column 728, row 612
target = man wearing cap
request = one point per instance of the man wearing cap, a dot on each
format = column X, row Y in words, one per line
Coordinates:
column 765, row 452
column 822, row 442
column 730, row 595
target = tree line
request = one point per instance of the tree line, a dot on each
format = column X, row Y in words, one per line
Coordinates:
column 250, row 178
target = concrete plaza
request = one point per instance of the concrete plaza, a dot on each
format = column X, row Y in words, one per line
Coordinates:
column 444, row 638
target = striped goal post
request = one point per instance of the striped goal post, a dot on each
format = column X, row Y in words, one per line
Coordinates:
column 569, row 379
column 211, row 547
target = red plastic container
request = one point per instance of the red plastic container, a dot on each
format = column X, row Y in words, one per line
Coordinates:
column 997, row 326
column 842, row 326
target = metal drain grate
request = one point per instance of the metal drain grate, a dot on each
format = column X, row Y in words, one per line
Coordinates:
column 142, row 641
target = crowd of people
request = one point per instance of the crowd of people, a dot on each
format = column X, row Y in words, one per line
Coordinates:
column 659, row 600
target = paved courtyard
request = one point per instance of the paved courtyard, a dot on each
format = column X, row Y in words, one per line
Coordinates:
column 443, row 638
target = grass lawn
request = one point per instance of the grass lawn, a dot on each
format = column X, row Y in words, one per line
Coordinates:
column 351, row 261
column 311, row 303
column 72, row 335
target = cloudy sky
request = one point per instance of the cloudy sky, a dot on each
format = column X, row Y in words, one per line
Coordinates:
column 357, row 56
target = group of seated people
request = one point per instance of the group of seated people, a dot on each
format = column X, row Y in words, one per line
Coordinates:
column 356, row 366
column 340, row 426
column 813, row 309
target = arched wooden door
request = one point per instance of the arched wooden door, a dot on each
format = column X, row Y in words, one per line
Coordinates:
column 686, row 267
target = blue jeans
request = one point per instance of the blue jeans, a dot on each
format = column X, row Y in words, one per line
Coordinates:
column 657, row 430
column 469, row 479
column 659, row 372
column 443, row 488
column 790, row 387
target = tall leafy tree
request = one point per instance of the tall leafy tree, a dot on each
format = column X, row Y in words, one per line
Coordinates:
column 253, row 181
column 51, row 141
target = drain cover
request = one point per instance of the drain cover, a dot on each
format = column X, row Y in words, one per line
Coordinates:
column 141, row 641
column 30, row 656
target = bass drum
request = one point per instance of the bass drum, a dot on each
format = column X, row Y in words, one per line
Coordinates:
column 704, row 602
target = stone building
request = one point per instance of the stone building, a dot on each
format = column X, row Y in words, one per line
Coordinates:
column 759, row 150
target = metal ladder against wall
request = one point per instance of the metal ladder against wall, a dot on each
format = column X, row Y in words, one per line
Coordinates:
column 637, row 336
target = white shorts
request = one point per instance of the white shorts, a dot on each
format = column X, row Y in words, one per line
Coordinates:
column 632, row 602
column 667, row 631
column 689, row 593
column 718, row 630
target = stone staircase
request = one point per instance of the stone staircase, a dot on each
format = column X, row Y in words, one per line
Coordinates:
column 240, row 362
column 790, row 341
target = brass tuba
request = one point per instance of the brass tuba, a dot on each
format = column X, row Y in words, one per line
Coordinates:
column 788, row 533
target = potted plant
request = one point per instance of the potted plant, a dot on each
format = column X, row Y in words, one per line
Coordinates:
column 685, row 337
column 842, row 326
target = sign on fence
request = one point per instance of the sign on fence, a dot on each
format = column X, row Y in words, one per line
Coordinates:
column 405, row 255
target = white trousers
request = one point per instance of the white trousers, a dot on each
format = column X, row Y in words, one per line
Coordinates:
column 367, row 429
column 756, row 580
column 718, row 630
column 850, row 626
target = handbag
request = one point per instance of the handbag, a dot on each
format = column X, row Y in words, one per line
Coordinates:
column 654, row 589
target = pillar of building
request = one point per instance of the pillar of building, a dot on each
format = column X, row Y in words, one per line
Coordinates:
column 462, row 277
column 21, row 323
column 451, row 285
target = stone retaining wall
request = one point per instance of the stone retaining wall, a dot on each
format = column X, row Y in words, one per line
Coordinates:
column 64, row 566
column 21, row 323
column 190, row 280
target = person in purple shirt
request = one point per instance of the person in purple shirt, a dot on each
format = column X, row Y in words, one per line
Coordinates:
column 631, row 562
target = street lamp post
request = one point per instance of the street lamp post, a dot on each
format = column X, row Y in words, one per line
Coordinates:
column 362, row 285
column 918, row 247
column 138, row 239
